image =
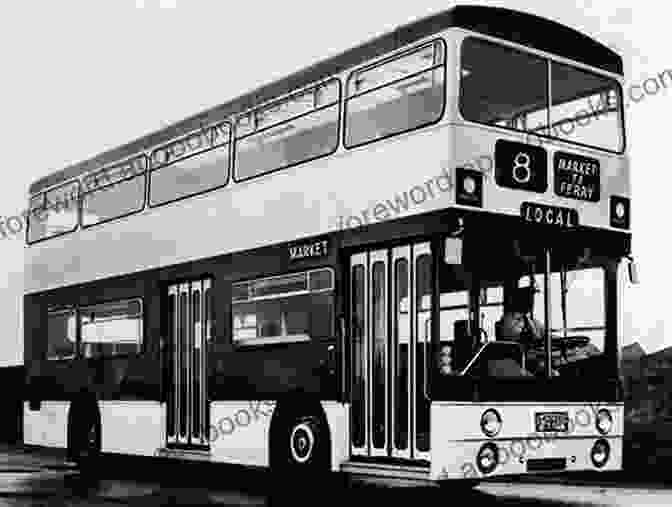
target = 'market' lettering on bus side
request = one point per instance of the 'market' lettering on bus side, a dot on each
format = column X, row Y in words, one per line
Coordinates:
column 317, row 249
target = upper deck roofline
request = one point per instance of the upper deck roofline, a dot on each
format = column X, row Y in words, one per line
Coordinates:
column 518, row 27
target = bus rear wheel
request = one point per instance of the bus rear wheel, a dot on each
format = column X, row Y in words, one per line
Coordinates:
column 84, row 441
column 304, row 440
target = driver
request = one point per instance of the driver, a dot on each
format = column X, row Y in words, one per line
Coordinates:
column 517, row 324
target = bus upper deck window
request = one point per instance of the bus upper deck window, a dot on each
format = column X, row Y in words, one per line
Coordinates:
column 585, row 108
column 503, row 86
column 397, row 95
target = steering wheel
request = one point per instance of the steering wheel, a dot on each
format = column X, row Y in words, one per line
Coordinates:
column 563, row 344
column 571, row 342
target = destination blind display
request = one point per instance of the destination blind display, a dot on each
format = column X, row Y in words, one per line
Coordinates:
column 576, row 177
column 534, row 213
column 521, row 166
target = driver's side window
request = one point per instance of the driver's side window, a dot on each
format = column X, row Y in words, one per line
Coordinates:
column 454, row 307
column 491, row 308
column 455, row 283
column 455, row 287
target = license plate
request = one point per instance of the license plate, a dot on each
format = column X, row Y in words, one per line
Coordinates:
column 534, row 213
column 551, row 421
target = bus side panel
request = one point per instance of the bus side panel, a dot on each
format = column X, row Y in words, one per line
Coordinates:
column 270, row 371
column 239, row 431
column 46, row 426
column 338, row 418
column 119, row 378
column 132, row 427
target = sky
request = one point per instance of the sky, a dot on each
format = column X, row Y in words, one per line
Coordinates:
column 81, row 77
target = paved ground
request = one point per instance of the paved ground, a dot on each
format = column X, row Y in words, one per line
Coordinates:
column 42, row 478
column 581, row 495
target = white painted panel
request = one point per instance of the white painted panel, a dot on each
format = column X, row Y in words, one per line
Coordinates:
column 239, row 431
column 132, row 427
column 48, row 426
column 462, row 421
column 308, row 199
column 457, row 436
column 457, row 460
column 476, row 141
column 338, row 421
column 31, row 425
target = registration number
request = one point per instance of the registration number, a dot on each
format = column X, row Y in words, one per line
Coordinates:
column 551, row 421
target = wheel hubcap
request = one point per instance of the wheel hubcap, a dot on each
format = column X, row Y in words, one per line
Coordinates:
column 302, row 442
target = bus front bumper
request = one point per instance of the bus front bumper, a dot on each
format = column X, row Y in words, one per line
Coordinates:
column 461, row 460
column 462, row 450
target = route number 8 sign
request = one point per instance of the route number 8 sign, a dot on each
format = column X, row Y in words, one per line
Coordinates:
column 521, row 166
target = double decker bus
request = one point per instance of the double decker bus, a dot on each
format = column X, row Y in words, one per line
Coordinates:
column 311, row 277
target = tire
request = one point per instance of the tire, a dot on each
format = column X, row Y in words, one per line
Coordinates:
column 305, row 443
column 301, row 457
column 84, row 439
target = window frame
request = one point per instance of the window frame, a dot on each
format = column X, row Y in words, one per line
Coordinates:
column 351, row 75
column 92, row 174
column 620, row 111
column 229, row 165
column 43, row 194
column 280, row 339
column 63, row 310
column 142, row 342
column 339, row 114
column 76, row 309
column 549, row 62
column 604, row 287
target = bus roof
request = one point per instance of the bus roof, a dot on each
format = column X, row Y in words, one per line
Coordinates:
column 530, row 30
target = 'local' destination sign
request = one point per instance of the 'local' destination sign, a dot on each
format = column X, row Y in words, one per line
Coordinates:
column 577, row 177
column 534, row 213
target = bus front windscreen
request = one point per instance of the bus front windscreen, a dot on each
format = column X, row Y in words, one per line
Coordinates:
column 576, row 321
column 511, row 339
column 508, row 88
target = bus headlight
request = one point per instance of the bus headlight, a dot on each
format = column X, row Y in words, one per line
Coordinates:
column 603, row 421
column 491, row 422
column 486, row 459
column 599, row 454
